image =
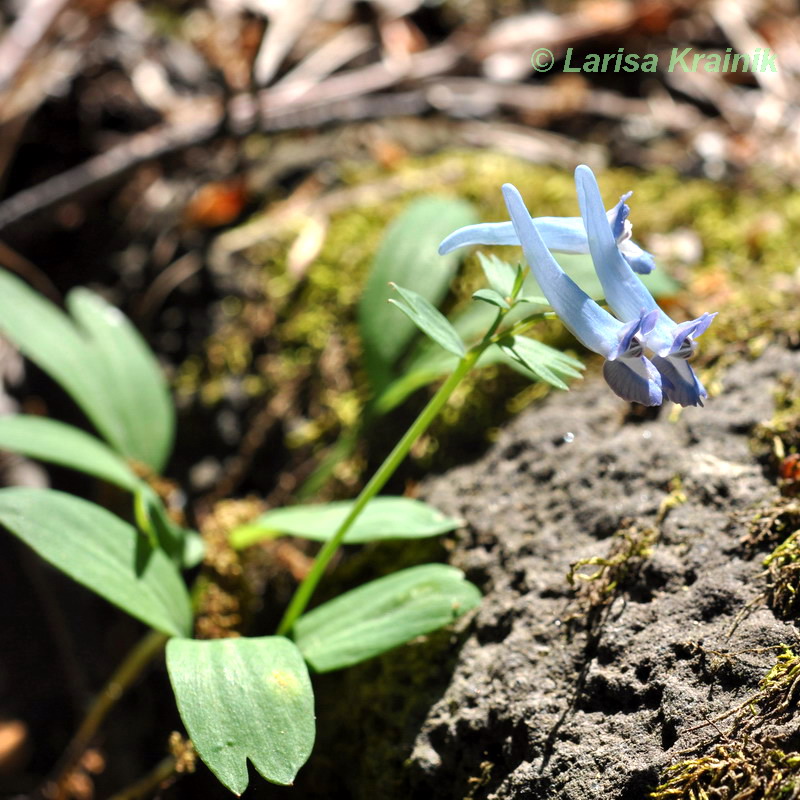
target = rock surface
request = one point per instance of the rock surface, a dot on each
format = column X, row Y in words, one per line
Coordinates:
column 540, row 707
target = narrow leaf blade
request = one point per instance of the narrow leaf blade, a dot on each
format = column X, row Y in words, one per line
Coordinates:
column 429, row 320
column 492, row 297
column 57, row 443
column 49, row 338
column 244, row 698
column 383, row 614
column 100, row 551
column 136, row 386
column 383, row 518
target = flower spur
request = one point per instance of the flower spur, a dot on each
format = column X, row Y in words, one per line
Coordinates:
column 560, row 234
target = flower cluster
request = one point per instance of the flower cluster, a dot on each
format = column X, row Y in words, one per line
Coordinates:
column 639, row 326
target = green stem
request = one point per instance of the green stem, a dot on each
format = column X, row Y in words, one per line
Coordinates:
column 376, row 483
column 520, row 327
column 146, row 785
column 126, row 673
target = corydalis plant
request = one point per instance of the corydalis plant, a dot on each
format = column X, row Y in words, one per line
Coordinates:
column 639, row 325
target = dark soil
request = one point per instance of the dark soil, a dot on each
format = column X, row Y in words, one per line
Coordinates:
column 549, row 698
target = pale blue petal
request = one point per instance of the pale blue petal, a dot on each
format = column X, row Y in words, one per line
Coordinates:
column 483, row 233
column 618, row 216
column 590, row 324
column 563, row 234
column 560, row 234
column 640, row 260
column 625, row 339
column 635, row 380
column 627, row 296
column 679, row 382
column 625, row 293
column 694, row 328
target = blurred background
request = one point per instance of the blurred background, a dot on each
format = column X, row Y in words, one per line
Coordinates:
column 224, row 171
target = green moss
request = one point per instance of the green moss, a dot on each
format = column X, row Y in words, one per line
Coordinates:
column 596, row 588
column 742, row 766
column 779, row 437
column 783, row 578
column 746, row 770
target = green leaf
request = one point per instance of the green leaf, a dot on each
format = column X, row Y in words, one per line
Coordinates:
column 57, row 443
column 100, row 551
column 48, row 337
column 194, row 549
column 137, row 390
column 102, row 362
column 244, row 698
column 492, row 297
column 155, row 523
column 429, row 320
column 383, row 518
column 383, row 614
column 545, row 362
column 408, row 255
column 500, row 275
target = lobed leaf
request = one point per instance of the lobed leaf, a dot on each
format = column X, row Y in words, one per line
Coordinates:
column 544, row 362
column 492, row 297
column 101, row 552
column 383, row 614
column 429, row 320
column 500, row 275
column 244, row 698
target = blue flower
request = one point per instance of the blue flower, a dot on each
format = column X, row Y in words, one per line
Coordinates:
column 629, row 374
column 560, row 234
column 629, row 298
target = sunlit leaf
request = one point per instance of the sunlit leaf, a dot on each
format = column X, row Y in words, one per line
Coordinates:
column 492, row 297
column 428, row 319
column 244, row 699
column 383, row 614
column 500, row 275
column 544, row 362
column 383, row 518
column 100, row 551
